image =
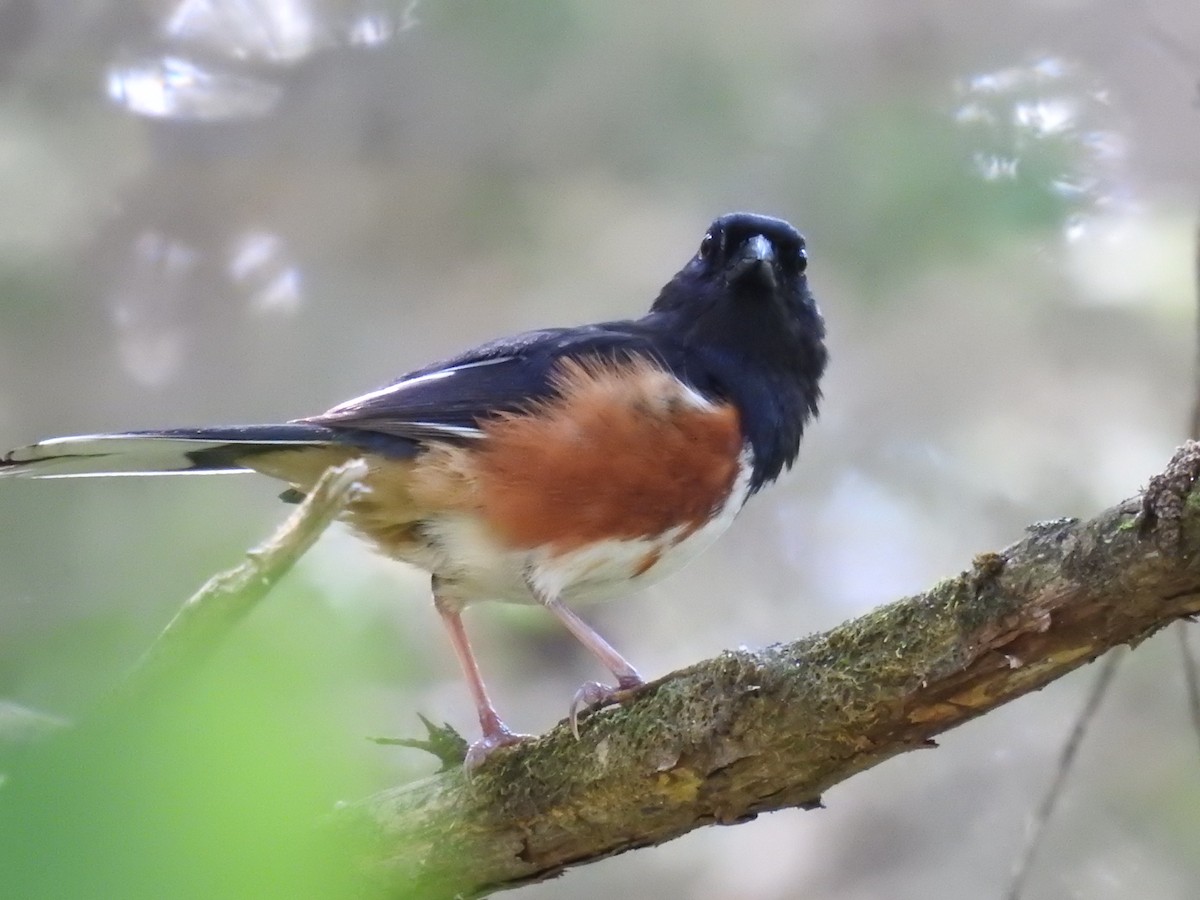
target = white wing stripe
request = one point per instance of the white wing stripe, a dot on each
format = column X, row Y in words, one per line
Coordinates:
column 355, row 402
column 163, row 439
column 465, row 431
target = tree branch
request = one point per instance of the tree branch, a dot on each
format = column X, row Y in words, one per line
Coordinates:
column 749, row 732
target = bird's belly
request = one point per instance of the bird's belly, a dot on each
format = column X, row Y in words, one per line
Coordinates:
column 469, row 558
column 477, row 569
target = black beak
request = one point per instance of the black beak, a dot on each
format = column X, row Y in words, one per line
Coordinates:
column 755, row 262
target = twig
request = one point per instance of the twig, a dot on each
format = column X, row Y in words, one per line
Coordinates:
column 1190, row 676
column 1194, row 430
column 224, row 600
column 442, row 741
column 1066, row 762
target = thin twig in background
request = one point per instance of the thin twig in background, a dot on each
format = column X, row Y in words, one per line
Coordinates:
column 1191, row 675
column 225, row 599
column 1066, row 762
column 1194, row 430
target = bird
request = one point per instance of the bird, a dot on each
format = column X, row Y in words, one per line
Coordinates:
column 556, row 466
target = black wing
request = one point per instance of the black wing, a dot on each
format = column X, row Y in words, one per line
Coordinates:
column 450, row 399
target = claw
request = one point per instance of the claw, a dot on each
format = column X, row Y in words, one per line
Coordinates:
column 479, row 751
column 593, row 695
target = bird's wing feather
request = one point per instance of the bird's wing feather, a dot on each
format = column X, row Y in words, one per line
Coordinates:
column 450, row 400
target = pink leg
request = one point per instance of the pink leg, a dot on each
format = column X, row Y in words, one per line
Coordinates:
column 627, row 676
column 594, row 694
column 495, row 733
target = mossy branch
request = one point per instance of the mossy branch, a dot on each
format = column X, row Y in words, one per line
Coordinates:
column 749, row 732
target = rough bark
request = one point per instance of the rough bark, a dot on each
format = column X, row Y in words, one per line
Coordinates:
column 753, row 731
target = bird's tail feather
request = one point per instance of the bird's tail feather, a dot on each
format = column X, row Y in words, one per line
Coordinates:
column 177, row 451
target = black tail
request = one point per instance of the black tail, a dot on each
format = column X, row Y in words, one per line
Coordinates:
column 176, row 451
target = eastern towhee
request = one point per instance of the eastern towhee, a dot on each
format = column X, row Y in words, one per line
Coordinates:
column 556, row 466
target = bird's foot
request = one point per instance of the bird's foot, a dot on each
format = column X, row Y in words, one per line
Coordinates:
column 593, row 695
column 493, row 739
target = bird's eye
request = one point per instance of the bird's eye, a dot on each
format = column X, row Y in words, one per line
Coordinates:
column 708, row 246
column 802, row 260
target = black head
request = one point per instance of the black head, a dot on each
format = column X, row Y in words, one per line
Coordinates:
column 743, row 310
column 748, row 267
column 752, row 253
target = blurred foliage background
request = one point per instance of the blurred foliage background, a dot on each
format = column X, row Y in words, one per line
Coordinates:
column 247, row 210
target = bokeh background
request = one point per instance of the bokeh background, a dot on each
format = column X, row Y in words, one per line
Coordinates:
column 245, row 210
